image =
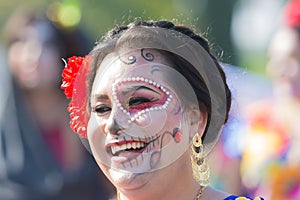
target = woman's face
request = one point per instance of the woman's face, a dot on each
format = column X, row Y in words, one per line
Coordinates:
column 284, row 62
column 139, row 121
column 34, row 59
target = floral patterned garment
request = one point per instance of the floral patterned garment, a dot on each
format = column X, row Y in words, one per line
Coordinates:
column 233, row 197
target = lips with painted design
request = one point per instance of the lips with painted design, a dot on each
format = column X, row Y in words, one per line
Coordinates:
column 125, row 150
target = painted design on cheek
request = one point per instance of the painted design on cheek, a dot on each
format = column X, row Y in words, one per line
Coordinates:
column 177, row 135
column 137, row 149
column 133, row 149
column 155, row 156
column 135, row 112
column 125, row 144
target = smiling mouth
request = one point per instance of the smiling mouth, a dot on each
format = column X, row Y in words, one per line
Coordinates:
column 125, row 148
column 128, row 147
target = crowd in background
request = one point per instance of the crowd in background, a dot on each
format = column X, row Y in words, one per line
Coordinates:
column 262, row 140
column 40, row 157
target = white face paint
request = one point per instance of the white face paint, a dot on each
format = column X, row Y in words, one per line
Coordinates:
column 153, row 121
column 138, row 122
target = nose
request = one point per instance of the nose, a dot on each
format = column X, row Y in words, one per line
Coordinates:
column 112, row 126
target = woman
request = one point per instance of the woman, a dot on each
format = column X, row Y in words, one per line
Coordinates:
column 156, row 101
column 39, row 157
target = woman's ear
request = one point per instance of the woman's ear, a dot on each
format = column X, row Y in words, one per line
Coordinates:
column 198, row 119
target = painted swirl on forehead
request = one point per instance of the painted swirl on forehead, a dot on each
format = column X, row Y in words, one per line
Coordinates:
column 132, row 59
column 147, row 55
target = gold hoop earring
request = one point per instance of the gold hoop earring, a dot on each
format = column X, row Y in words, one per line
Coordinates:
column 118, row 195
column 200, row 166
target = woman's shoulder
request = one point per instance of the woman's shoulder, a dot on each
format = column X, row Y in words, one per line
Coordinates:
column 234, row 197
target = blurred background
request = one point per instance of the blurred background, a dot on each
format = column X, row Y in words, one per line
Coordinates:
column 241, row 28
column 240, row 32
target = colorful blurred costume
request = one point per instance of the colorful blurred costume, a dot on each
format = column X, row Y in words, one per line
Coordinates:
column 270, row 163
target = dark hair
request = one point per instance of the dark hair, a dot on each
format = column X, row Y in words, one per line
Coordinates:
column 297, row 29
column 110, row 43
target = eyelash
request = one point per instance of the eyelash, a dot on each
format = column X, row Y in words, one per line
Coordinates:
column 101, row 109
column 140, row 103
column 134, row 103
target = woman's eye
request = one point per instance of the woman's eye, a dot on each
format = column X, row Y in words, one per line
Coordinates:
column 134, row 101
column 101, row 109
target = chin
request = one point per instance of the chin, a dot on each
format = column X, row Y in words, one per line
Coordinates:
column 125, row 180
column 128, row 180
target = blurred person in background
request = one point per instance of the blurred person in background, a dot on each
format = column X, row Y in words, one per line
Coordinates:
column 39, row 157
column 271, row 160
column 226, row 156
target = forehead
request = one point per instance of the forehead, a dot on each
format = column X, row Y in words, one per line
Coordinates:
column 130, row 59
column 147, row 63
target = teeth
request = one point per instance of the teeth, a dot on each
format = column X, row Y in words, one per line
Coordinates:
column 123, row 147
column 133, row 145
column 113, row 150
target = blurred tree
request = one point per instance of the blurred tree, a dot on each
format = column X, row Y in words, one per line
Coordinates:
column 98, row 16
column 219, row 17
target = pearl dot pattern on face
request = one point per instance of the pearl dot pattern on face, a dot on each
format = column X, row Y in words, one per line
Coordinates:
column 144, row 111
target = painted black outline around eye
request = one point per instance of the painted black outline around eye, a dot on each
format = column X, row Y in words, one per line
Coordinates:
column 142, row 100
column 136, row 88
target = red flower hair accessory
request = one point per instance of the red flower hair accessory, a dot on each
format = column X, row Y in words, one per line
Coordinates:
column 75, row 87
column 292, row 13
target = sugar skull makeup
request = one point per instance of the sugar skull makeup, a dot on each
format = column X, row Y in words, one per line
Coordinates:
column 137, row 96
column 139, row 121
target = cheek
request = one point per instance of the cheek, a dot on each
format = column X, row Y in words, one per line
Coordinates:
column 174, row 114
column 95, row 134
column 16, row 58
column 161, row 121
column 144, row 120
column 173, row 122
column 102, row 125
column 94, row 124
column 153, row 122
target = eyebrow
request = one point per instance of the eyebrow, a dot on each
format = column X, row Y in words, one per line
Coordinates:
column 137, row 88
column 100, row 97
